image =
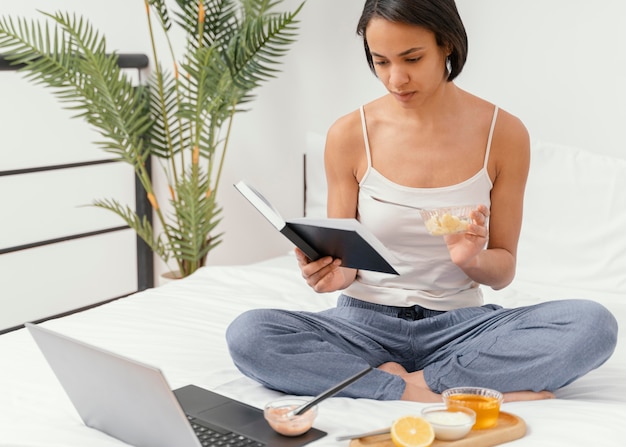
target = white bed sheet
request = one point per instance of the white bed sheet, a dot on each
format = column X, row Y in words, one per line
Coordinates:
column 180, row 327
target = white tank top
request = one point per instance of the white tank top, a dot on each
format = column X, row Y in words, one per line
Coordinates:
column 427, row 277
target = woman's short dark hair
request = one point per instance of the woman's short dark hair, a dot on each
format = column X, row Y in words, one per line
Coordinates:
column 441, row 17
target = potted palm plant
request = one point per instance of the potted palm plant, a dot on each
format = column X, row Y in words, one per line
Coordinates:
column 182, row 117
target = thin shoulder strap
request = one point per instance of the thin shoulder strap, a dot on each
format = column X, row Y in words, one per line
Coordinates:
column 493, row 126
column 367, row 143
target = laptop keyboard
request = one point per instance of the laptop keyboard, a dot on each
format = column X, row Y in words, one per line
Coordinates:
column 212, row 438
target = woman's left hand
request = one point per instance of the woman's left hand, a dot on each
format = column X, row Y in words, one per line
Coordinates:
column 465, row 247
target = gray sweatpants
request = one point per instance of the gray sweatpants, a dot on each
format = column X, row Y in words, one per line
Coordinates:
column 540, row 347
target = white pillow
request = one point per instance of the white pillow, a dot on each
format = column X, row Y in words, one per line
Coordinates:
column 574, row 227
column 315, row 193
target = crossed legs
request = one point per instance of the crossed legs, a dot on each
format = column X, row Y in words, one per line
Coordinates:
column 525, row 353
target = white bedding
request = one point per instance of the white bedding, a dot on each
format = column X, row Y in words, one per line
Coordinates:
column 179, row 327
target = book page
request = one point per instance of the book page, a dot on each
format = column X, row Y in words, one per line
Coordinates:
column 261, row 203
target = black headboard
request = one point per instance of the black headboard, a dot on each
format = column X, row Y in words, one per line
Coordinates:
column 144, row 256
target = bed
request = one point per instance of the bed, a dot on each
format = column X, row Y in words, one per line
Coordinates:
column 573, row 245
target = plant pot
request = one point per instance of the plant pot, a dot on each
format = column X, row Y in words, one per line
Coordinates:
column 167, row 277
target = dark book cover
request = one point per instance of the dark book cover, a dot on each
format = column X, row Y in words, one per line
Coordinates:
column 346, row 239
column 347, row 245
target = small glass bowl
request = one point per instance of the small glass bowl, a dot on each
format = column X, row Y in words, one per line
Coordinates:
column 275, row 413
column 484, row 401
column 449, row 220
column 449, row 423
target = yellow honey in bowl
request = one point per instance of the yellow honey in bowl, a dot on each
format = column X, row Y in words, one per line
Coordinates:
column 487, row 408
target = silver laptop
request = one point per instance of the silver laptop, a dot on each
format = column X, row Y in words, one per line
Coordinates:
column 132, row 401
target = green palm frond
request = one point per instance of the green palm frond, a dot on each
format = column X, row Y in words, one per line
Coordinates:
column 167, row 134
column 23, row 41
column 196, row 213
column 212, row 94
column 220, row 23
column 162, row 12
column 256, row 8
column 260, row 45
column 141, row 226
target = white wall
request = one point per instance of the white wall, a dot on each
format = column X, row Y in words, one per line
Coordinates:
column 557, row 64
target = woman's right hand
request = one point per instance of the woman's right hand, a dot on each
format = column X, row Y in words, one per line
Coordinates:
column 324, row 275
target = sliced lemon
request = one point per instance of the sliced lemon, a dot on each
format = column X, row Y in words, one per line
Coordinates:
column 412, row 431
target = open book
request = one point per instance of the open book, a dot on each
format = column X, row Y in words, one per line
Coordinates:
column 346, row 239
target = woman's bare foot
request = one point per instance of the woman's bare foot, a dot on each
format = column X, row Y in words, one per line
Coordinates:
column 418, row 391
column 393, row 368
column 527, row 395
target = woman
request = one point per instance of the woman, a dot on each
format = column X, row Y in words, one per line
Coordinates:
column 426, row 143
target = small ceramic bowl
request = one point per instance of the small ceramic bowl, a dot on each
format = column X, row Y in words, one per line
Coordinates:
column 484, row 401
column 450, row 220
column 449, row 423
column 276, row 411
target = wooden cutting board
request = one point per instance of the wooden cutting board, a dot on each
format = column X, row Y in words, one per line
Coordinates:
column 508, row 428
